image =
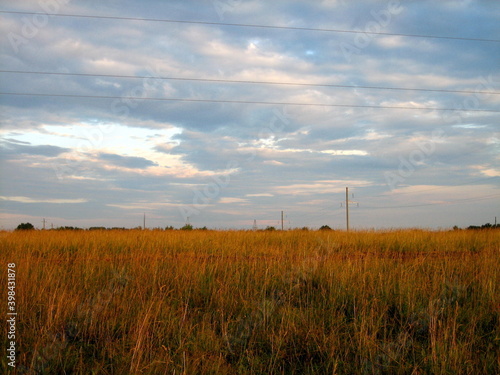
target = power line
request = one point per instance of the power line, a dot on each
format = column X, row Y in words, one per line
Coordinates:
column 438, row 203
column 251, row 82
column 432, row 189
column 245, row 102
column 252, row 26
column 418, row 192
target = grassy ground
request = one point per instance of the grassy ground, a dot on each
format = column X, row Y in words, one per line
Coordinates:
column 294, row 302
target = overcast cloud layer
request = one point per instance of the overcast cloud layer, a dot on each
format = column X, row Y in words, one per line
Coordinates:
column 220, row 157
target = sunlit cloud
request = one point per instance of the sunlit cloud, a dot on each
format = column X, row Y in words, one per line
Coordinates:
column 33, row 200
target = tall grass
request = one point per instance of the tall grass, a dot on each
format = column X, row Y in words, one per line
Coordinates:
column 222, row 302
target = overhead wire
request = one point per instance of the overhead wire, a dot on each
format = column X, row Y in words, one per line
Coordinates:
column 213, row 23
column 435, row 188
column 244, row 81
column 220, row 80
column 436, row 203
column 336, row 207
column 193, row 100
column 465, row 200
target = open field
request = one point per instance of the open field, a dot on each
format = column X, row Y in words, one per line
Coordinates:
column 215, row 302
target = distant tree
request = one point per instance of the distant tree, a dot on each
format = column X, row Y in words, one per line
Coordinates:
column 25, row 226
column 97, row 228
column 270, row 228
column 187, row 227
column 484, row 226
column 325, row 227
column 169, row 228
column 204, row 228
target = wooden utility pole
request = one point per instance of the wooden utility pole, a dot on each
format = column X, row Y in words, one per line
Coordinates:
column 144, row 221
column 347, row 207
column 281, row 220
column 347, row 201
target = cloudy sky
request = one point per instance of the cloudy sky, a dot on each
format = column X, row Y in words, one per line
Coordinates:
column 228, row 111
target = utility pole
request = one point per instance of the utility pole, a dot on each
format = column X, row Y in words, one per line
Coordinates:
column 281, row 220
column 347, row 201
column 144, row 222
column 347, row 207
column 254, row 224
column 43, row 223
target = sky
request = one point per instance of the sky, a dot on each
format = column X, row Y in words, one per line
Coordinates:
column 224, row 113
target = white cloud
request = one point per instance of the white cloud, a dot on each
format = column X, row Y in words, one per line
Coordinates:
column 232, row 200
column 318, row 187
column 345, row 152
column 33, row 200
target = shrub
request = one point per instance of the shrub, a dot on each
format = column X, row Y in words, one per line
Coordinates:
column 25, row 226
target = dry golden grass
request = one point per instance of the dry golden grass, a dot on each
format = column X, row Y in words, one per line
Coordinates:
column 229, row 302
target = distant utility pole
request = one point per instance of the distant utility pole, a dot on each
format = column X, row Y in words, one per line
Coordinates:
column 254, row 224
column 347, row 201
column 281, row 220
column 347, row 207
column 43, row 223
column 144, row 221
